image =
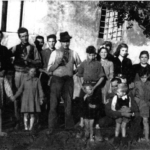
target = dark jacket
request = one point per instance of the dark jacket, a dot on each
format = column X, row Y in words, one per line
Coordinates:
column 124, row 68
column 4, row 60
column 137, row 68
column 28, row 51
column 115, row 114
column 46, row 53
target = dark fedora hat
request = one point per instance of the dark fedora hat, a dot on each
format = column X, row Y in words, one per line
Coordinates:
column 64, row 37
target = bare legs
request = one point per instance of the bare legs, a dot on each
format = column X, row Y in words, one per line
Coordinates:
column 32, row 118
column 121, row 126
column 89, row 128
column 146, row 129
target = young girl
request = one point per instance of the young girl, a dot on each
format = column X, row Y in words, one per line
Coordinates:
column 122, row 64
column 109, row 70
column 121, row 102
column 142, row 97
column 32, row 97
column 91, row 106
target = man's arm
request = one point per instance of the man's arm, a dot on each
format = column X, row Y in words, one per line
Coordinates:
column 53, row 64
column 37, row 58
column 98, row 83
column 134, row 106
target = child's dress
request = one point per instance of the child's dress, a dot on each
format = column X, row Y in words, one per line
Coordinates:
column 4, row 88
column 142, row 97
column 90, row 113
column 32, row 93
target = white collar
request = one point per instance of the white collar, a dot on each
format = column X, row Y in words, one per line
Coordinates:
column 143, row 65
column 120, row 58
column 124, row 97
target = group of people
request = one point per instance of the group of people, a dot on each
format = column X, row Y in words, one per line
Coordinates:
column 105, row 80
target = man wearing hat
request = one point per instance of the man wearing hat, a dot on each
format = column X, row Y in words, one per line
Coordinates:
column 61, row 65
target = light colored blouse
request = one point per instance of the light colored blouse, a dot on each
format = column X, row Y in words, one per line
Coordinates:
column 108, row 68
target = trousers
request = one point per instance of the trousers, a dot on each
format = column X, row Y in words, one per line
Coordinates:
column 61, row 87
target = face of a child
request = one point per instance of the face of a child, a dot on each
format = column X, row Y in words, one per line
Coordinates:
column 144, row 78
column 88, row 89
column 120, row 92
column 91, row 56
column 32, row 72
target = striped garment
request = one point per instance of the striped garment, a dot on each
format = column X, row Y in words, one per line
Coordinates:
column 4, row 85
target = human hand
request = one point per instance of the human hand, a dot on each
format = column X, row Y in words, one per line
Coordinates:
column 125, row 109
column 41, row 102
column 106, row 101
column 59, row 61
column 92, row 106
column 125, row 114
column 12, row 98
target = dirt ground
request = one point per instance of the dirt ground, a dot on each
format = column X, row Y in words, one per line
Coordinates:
column 18, row 139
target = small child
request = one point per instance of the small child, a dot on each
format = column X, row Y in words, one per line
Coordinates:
column 121, row 102
column 142, row 97
column 90, row 111
column 32, row 97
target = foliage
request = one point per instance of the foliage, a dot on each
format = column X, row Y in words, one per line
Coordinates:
column 130, row 11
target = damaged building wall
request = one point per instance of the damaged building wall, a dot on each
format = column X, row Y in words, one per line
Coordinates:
column 80, row 18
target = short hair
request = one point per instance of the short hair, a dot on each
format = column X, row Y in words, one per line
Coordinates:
column 39, row 37
column 116, row 79
column 122, row 45
column 53, row 36
column 108, row 43
column 1, row 33
column 31, row 66
column 144, row 52
column 91, row 49
column 22, row 30
column 143, row 72
column 123, row 87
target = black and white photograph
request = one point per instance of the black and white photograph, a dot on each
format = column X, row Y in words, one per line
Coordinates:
column 74, row 75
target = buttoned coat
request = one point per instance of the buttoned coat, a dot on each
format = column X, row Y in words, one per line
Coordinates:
column 31, row 92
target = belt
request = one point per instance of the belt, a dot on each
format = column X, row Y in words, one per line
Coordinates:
column 21, row 69
column 89, row 82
